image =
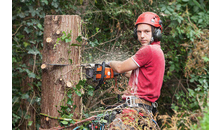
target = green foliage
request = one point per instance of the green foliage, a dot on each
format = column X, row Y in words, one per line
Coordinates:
column 64, row 37
column 27, row 42
column 67, row 107
column 203, row 123
column 191, row 100
column 108, row 27
column 82, row 85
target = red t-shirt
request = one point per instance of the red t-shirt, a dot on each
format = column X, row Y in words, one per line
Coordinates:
column 146, row 81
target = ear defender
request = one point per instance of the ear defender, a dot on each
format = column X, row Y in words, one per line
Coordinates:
column 152, row 39
column 135, row 33
column 157, row 35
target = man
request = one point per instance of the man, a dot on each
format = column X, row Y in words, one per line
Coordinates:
column 148, row 64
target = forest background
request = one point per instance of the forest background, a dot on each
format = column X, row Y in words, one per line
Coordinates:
column 108, row 27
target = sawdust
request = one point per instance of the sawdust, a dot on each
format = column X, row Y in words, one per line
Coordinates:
column 116, row 56
column 98, row 58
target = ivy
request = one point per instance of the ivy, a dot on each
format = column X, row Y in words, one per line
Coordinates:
column 108, row 27
column 67, row 110
column 64, row 37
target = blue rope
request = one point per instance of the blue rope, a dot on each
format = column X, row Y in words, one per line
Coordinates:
column 154, row 121
column 102, row 126
column 76, row 128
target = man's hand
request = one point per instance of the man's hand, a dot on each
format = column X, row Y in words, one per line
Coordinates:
column 128, row 74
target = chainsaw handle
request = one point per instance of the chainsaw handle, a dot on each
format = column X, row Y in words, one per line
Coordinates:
column 107, row 65
column 102, row 73
column 101, row 80
column 116, row 74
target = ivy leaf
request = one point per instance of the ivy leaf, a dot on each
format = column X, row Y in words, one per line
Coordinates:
column 68, row 40
column 38, row 100
column 79, row 38
column 69, row 102
column 64, row 122
column 74, row 45
column 92, row 43
column 40, row 26
column 14, row 60
column 72, row 122
column 25, row 96
column 90, row 90
column 69, row 34
column 69, row 95
column 30, row 123
column 97, row 29
column 191, row 92
column 78, row 93
column 27, row 30
column 103, row 121
column 54, row 4
column 63, row 108
column 197, row 4
column 206, row 59
column 33, row 51
column 25, row 44
column 71, row 61
column 32, row 11
column 30, row 74
column 63, row 37
column 78, row 86
column 45, row 1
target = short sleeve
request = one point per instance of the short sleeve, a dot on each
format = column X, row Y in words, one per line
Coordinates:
column 142, row 56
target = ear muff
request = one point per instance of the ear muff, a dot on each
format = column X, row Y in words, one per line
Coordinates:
column 157, row 34
column 135, row 33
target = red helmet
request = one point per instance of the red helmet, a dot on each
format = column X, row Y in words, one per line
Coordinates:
column 150, row 18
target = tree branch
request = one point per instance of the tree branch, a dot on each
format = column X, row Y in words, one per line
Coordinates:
column 17, row 30
column 104, row 42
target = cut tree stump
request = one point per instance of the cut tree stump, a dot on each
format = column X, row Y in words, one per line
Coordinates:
column 69, row 84
column 49, row 40
column 43, row 66
column 62, row 69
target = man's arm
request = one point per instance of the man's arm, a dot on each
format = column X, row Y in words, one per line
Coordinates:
column 123, row 66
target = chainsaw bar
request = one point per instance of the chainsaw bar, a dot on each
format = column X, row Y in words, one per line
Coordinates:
column 59, row 64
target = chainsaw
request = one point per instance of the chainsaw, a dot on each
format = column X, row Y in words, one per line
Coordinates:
column 99, row 73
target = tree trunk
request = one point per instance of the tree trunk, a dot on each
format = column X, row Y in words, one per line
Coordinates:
column 60, row 68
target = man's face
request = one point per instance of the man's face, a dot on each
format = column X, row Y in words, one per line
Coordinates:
column 144, row 33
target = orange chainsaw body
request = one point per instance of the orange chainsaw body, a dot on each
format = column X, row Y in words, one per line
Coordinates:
column 100, row 73
column 109, row 74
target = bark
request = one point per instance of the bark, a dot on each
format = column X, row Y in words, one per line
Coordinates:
column 62, row 66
